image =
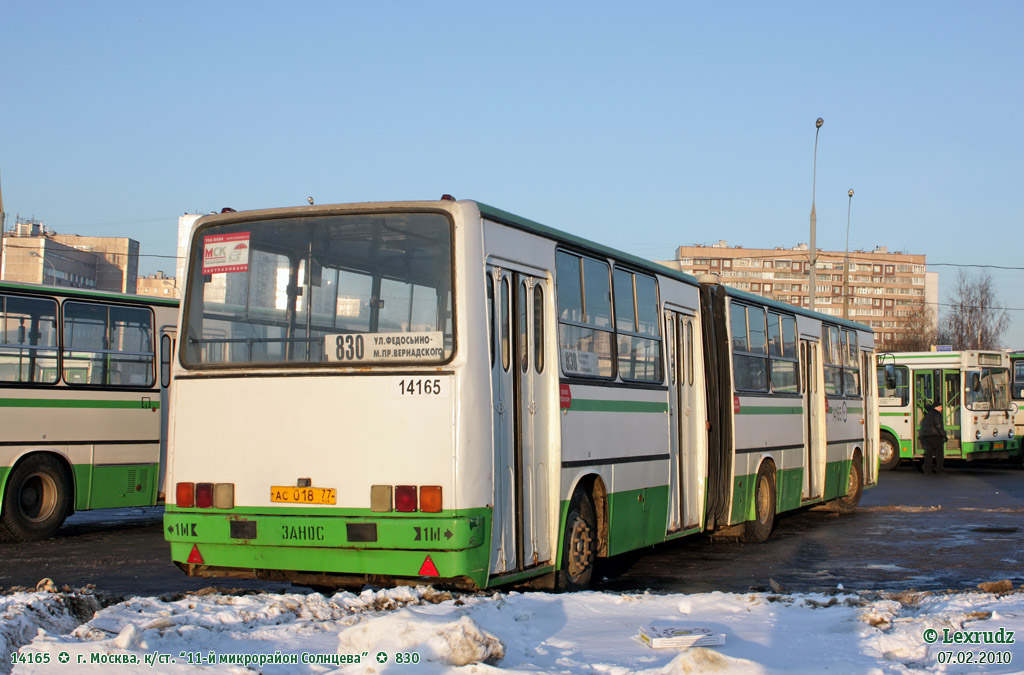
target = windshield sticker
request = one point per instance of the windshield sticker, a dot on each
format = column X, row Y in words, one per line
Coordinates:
column 377, row 347
column 226, row 253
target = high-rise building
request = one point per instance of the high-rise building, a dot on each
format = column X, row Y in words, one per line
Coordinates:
column 883, row 289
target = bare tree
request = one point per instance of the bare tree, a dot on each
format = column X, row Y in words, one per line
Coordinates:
column 917, row 332
column 974, row 319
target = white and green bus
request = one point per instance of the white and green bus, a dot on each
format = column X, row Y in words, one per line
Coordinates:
column 1017, row 396
column 81, row 398
column 444, row 392
column 974, row 390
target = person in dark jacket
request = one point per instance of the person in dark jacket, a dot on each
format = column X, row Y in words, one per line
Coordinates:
column 933, row 439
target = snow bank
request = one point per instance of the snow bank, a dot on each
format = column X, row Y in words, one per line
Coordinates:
column 24, row 615
column 417, row 630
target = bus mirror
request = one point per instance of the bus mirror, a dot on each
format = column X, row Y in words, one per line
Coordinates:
column 975, row 382
column 890, row 376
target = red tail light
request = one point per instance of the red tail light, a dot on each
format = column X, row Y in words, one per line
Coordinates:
column 185, row 495
column 204, row 495
column 405, row 498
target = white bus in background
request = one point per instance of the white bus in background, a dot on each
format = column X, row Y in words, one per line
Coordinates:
column 82, row 403
column 1017, row 396
column 974, row 390
column 444, row 392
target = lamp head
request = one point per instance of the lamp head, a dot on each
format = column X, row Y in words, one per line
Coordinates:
column 818, row 123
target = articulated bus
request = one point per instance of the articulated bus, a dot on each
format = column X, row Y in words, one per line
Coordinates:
column 82, row 403
column 974, row 390
column 444, row 392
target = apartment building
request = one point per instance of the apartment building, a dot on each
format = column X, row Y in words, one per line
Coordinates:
column 159, row 285
column 883, row 289
column 35, row 254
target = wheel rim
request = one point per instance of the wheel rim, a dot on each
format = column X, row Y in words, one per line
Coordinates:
column 854, row 481
column 37, row 498
column 885, row 451
column 763, row 499
column 580, row 547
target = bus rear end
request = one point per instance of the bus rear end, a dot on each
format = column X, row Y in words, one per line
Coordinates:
column 314, row 434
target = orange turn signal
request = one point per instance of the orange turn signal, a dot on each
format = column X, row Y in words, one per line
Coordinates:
column 430, row 498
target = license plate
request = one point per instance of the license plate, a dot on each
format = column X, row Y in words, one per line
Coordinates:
column 303, row 495
column 997, row 446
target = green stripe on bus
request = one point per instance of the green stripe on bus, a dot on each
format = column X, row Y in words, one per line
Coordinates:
column 75, row 403
column 770, row 410
column 596, row 405
column 896, row 414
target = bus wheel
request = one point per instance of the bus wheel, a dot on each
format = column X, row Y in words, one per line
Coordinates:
column 579, row 544
column 35, row 500
column 854, row 488
column 888, row 452
column 760, row 527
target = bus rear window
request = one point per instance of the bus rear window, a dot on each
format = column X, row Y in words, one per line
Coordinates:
column 341, row 290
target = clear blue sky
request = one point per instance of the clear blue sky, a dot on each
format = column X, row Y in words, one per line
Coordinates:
column 642, row 125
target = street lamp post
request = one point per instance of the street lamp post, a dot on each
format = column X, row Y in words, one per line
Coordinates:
column 814, row 219
column 846, row 261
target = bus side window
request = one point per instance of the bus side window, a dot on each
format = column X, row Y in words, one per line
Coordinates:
column 28, row 340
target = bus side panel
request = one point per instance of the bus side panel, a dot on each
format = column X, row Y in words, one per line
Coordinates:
column 845, row 436
column 623, row 432
column 119, row 486
column 101, row 435
column 768, row 427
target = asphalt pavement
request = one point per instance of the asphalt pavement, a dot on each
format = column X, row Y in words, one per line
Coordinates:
column 911, row 531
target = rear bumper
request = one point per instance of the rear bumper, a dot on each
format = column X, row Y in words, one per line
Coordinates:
column 448, row 548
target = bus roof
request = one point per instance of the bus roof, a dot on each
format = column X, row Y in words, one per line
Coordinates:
column 70, row 292
column 530, row 225
column 513, row 220
column 793, row 309
column 519, row 222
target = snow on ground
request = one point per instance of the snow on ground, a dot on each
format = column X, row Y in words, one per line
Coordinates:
column 508, row 632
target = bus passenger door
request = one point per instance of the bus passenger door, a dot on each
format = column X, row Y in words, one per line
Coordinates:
column 168, row 341
column 675, row 474
column 503, row 529
column 520, row 536
column 924, row 397
column 685, row 478
column 533, row 410
column 951, row 396
column 870, row 420
column 814, row 419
